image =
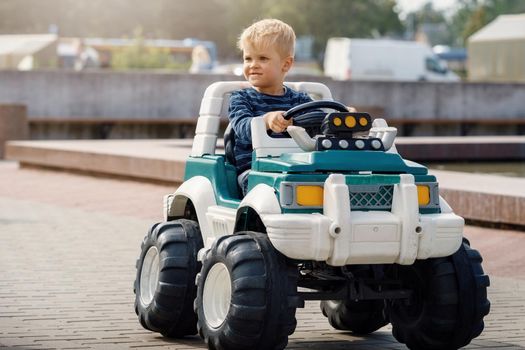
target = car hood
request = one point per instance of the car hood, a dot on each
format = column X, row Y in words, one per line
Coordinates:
column 339, row 161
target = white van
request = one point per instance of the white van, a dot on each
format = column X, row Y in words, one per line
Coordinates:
column 371, row 59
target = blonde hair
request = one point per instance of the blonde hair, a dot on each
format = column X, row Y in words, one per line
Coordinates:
column 269, row 32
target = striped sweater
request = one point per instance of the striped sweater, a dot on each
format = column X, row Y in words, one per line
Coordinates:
column 248, row 103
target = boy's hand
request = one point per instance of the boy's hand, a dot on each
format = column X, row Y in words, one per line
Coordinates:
column 276, row 122
column 351, row 109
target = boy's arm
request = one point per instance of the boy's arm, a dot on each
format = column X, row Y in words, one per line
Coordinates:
column 276, row 122
column 240, row 115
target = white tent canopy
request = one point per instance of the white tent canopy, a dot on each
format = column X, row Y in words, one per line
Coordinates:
column 497, row 51
column 504, row 27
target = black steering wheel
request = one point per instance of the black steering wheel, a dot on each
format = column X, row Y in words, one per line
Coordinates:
column 309, row 116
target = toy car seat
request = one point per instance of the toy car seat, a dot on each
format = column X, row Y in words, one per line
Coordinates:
column 229, row 144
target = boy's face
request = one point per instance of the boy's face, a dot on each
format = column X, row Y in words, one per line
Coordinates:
column 265, row 69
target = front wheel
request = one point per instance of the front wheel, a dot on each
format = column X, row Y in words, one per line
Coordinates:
column 448, row 303
column 246, row 295
column 165, row 283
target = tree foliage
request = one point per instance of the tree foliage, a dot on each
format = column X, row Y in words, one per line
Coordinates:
column 329, row 18
column 221, row 21
column 138, row 56
column 218, row 20
column 468, row 17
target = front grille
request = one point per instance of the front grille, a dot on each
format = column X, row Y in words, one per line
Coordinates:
column 371, row 197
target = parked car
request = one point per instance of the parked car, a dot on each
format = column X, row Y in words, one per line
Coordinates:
column 370, row 59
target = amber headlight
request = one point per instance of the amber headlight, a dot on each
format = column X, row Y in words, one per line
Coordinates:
column 350, row 121
column 344, row 123
column 309, row 196
column 423, row 195
column 428, row 194
column 301, row 195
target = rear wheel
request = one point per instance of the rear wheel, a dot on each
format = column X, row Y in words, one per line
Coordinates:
column 448, row 304
column 359, row 317
column 165, row 283
column 247, row 295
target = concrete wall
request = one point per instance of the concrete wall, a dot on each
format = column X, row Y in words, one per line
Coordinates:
column 162, row 95
column 105, row 95
column 13, row 124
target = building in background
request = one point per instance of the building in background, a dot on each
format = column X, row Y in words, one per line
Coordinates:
column 27, row 52
column 180, row 51
column 497, row 51
column 45, row 51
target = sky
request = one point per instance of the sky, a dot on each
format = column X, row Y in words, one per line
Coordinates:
column 407, row 6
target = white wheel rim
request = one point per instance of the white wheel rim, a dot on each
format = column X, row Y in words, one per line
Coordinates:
column 149, row 276
column 217, row 294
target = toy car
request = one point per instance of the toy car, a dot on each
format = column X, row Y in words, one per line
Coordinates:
column 338, row 217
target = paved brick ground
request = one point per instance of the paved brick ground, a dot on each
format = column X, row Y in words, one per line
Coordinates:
column 68, row 245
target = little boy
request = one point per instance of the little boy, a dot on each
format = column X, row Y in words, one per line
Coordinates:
column 268, row 54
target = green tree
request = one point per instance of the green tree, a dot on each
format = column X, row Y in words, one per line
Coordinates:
column 428, row 14
column 431, row 22
column 218, row 20
column 324, row 19
column 138, row 56
column 477, row 20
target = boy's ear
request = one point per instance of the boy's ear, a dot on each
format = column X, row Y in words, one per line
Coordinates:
column 287, row 64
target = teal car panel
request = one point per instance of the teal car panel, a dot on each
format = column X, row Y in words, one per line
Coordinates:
column 274, row 180
column 339, row 161
column 222, row 176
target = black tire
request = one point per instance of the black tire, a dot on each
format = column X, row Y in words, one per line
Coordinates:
column 260, row 313
column 167, row 305
column 448, row 305
column 359, row 317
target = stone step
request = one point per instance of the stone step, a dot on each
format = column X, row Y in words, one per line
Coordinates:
column 489, row 198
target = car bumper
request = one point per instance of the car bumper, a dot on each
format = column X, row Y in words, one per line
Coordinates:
column 340, row 236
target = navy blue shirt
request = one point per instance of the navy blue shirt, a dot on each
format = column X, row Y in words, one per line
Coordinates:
column 248, row 103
